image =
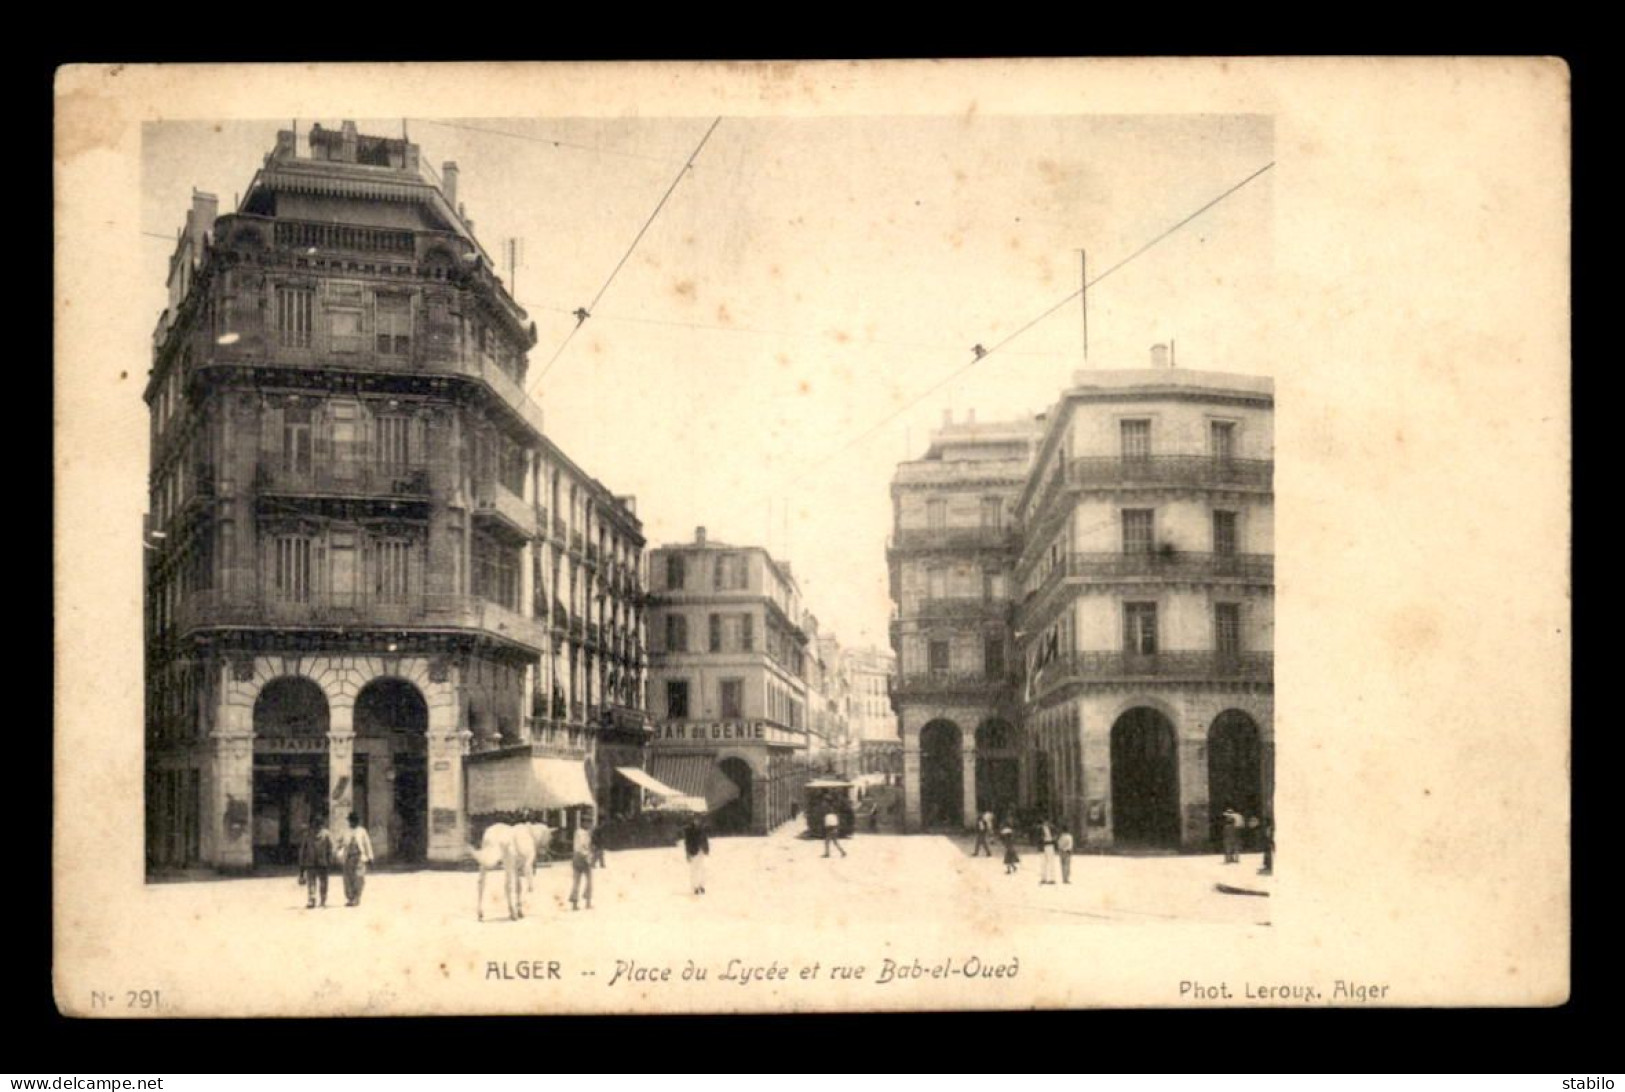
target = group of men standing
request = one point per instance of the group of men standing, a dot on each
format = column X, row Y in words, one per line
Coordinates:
column 1055, row 843
column 317, row 851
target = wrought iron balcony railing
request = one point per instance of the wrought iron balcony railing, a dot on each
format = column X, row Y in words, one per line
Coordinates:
column 270, row 609
column 1173, row 666
column 924, row 684
column 558, row 739
column 1114, row 471
column 1159, row 565
column 342, row 475
column 966, row 607
column 910, row 539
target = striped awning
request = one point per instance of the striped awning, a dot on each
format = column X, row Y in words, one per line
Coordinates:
column 689, row 773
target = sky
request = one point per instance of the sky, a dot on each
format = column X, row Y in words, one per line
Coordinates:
column 785, row 329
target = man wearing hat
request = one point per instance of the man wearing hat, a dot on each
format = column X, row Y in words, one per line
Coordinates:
column 315, row 858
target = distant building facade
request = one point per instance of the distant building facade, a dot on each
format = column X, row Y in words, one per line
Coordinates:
column 728, row 676
column 355, row 534
column 1143, row 625
column 952, row 559
column 869, row 713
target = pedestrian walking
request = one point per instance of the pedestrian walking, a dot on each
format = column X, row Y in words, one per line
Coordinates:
column 357, row 852
column 697, row 848
column 1011, row 860
column 1063, row 846
column 832, row 832
column 1233, row 823
column 1046, row 842
column 984, row 827
column 1269, row 849
column 598, row 847
column 315, row 861
column 581, row 863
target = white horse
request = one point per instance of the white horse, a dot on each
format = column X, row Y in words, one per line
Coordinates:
column 513, row 849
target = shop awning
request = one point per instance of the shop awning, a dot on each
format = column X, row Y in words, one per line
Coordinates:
column 520, row 782
column 643, row 781
column 688, row 774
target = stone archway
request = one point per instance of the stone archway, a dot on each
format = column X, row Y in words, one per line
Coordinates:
column 289, row 779
column 734, row 817
column 390, row 770
column 1235, row 769
column 942, row 798
column 1145, row 780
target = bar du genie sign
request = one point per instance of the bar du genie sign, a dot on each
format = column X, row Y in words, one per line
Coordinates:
column 694, row 733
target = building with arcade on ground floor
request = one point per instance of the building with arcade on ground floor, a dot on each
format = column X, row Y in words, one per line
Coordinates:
column 372, row 583
column 1084, row 612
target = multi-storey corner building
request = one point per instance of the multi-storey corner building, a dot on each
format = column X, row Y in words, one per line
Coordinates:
column 869, row 713
column 951, row 559
column 1146, row 619
column 1144, row 626
column 729, row 659
column 358, row 533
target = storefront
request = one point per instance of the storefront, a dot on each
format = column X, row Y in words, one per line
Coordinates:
column 520, row 784
column 741, row 768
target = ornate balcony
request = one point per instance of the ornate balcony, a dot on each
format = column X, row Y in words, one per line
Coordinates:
column 556, row 739
column 1115, row 472
column 962, row 607
column 558, row 530
column 218, row 609
column 1159, row 565
column 1171, row 667
column 938, row 685
column 496, row 503
column 346, row 474
column 577, row 542
column 936, row 539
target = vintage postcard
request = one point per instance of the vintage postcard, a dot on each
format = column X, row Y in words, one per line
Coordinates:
column 793, row 537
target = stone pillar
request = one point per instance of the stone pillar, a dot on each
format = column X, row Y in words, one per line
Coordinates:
column 967, row 785
column 447, row 820
column 1195, row 833
column 228, row 819
column 762, row 817
column 1097, row 788
column 340, row 763
column 911, row 783
column 381, row 801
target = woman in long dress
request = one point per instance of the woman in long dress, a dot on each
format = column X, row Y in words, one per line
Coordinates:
column 357, row 856
column 1046, row 838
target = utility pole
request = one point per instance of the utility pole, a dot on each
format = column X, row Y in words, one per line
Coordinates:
column 1083, row 296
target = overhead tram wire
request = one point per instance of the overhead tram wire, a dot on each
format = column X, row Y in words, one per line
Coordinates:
column 981, row 354
column 543, row 140
column 583, row 314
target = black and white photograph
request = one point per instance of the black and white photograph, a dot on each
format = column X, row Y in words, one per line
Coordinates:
column 773, row 539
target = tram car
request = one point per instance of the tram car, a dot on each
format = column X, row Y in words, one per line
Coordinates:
column 824, row 794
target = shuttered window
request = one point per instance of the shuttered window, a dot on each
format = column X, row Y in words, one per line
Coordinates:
column 294, row 308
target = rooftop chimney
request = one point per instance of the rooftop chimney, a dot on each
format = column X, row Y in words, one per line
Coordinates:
column 699, row 536
column 448, row 183
column 205, row 207
column 1159, row 355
